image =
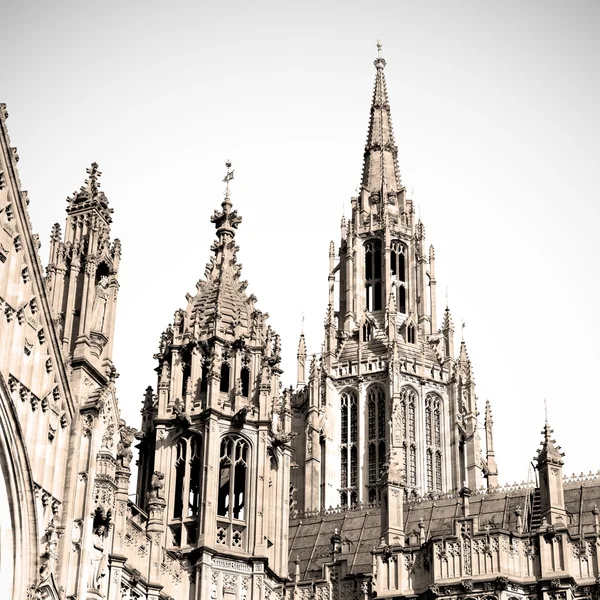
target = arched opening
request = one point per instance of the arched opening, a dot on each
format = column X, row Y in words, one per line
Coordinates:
column 225, row 375
column 373, row 289
column 245, row 379
column 232, row 493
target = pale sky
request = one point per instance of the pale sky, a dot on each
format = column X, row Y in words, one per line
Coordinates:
column 495, row 112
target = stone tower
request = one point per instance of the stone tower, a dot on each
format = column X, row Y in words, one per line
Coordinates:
column 387, row 404
column 82, row 282
column 216, row 434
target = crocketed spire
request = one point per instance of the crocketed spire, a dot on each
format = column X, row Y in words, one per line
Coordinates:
column 380, row 166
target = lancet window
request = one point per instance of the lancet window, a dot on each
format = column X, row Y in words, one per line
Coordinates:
column 349, row 449
column 376, row 437
column 373, row 275
column 408, row 409
column 186, row 492
column 433, row 442
column 398, row 273
column 225, row 377
column 233, row 481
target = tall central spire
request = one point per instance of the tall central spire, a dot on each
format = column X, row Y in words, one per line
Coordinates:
column 380, row 165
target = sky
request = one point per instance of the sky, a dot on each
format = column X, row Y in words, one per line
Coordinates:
column 494, row 107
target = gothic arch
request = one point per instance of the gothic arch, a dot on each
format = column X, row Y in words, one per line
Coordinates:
column 17, row 504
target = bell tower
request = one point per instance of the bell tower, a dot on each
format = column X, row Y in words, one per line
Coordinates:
column 396, row 409
column 218, row 431
column 82, row 280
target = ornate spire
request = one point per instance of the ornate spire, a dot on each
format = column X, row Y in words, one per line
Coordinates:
column 380, row 166
column 90, row 196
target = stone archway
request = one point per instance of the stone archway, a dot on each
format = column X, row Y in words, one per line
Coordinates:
column 18, row 530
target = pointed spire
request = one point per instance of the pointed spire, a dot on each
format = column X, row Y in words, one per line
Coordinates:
column 492, row 467
column 380, row 166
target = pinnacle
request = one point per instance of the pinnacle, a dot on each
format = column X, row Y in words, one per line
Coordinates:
column 302, row 346
column 549, row 451
column 380, row 166
column 90, row 195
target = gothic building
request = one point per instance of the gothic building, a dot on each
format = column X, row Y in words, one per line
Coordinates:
column 367, row 479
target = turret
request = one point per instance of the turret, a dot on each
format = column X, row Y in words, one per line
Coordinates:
column 82, row 279
column 549, row 466
column 220, row 430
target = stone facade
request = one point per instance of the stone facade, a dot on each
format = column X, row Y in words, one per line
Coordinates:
column 367, row 479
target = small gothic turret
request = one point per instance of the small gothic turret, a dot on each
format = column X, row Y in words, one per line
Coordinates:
column 220, row 429
column 549, row 466
column 82, row 279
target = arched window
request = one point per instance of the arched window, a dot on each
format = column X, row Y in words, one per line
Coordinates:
column 245, row 378
column 349, row 449
column 408, row 408
column 188, row 482
column 231, row 504
column 398, row 273
column 411, row 334
column 204, row 379
column 225, row 375
column 433, row 442
column 373, row 275
column 376, row 437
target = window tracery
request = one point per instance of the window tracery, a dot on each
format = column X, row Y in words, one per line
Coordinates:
column 231, row 504
column 188, row 476
column 408, row 407
column 373, row 275
column 376, row 437
column 349, row 449
column 433, row 439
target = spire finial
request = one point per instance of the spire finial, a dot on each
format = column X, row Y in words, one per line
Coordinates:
column 228, row 177
column 446, row 297
column 462, row 327
column 302, row 328
column 545, row 411
column 379, row 61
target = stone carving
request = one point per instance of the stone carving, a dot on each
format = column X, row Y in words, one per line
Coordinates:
column 98, row 557
column 124, row 452
column 99, row 305
column 156, row 484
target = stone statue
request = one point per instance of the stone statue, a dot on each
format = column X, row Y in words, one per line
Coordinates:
column 124, row 453
column 156, row 484
column 98, row 558
column 99, row 305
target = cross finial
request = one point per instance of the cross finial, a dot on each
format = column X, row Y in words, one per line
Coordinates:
column 446, row 296
column 545, row 411
column 302, row 329
column 378, row 48
column 462, row 326
column 228, row 177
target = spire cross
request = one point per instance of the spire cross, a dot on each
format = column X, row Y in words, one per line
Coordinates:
column 462, row 326
column 378, row 48
column 446, row 296
column 545, row 411
column 302, row 329
column 228, row 177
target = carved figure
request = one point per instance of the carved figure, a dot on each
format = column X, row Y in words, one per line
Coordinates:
column 99, row 305
column 98, row 558
column 124, row 453
column 156, row 484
